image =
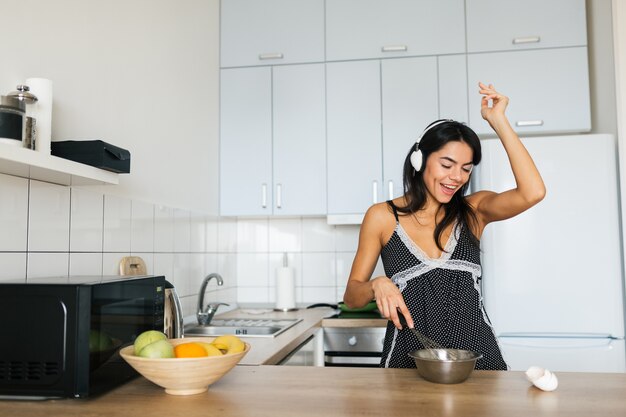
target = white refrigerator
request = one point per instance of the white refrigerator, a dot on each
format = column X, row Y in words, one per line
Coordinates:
column 552, row 276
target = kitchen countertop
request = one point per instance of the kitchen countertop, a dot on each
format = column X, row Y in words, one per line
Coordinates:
column 287, row 391
column 271, row 350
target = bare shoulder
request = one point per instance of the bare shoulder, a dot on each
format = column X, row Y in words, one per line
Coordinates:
column 379, row 213
column 379, row 219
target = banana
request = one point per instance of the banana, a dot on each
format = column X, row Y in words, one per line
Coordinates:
column 211, row 350
column 229, row 344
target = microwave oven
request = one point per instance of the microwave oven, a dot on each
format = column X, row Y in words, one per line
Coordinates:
column 60, row 337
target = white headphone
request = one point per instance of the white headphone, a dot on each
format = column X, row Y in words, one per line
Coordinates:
column 416, row 156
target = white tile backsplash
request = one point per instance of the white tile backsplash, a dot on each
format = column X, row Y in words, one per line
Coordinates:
column 318, row 269
column 142, row 227
column 252, row 269
column 164, row 265
column 163, row 229
column 347, row 238
column 86, row 221
column 285, row 235
column 252, row 235
column 49, row 217
column 317, row 235
column 13, row 213
column 85, row 263
column 47, row 265
column 13, row 266
column 198, row 239
column 227, row 235
column 111, row 262
column 182, row 231
column 117, row 224
column 319, row 295
column 53, row 230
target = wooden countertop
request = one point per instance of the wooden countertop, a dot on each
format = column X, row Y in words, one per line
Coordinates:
column 286, row 391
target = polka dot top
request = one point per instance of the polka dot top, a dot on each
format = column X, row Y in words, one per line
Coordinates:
column 444, row 297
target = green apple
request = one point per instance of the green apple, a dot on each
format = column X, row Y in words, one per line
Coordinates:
column 99, row 341
column 146, row 338
column 158, row 349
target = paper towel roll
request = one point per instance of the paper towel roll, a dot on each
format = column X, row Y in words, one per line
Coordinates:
column 42, row 88
column 285, row 288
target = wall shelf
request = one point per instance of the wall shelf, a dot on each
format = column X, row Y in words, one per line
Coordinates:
column 27, row 163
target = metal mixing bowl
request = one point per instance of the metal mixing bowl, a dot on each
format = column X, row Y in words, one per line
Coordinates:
column 435, row 365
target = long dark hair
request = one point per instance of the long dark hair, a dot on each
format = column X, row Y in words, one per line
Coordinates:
column 458, row 209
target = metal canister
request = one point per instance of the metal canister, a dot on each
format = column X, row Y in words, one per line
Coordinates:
column 29, row 129
column 12, row 114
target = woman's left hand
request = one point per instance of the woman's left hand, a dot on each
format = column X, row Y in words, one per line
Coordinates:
column 499, row 103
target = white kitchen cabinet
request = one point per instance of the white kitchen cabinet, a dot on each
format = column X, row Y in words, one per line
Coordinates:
column 548, row 88
column 272, row 140
column 299, row 148
column 501, row 25
column 269, row 32
column 376, row 111
column 359, row 29
column 452, row 81
column 354, row 136
column 246, row 141
column 409, row 103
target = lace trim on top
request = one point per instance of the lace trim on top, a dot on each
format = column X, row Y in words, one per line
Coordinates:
column 428, row 264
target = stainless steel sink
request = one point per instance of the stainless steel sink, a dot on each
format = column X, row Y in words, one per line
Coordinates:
column 241, row 327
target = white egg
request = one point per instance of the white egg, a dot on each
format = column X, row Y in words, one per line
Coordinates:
column 542, row 378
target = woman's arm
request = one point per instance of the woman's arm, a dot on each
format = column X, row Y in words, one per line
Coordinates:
column 360, row 289
column 529, row 189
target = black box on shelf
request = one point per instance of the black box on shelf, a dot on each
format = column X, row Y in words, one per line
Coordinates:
column 96, row 153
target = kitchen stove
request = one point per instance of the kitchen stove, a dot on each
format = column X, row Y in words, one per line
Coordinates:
column 357, row 343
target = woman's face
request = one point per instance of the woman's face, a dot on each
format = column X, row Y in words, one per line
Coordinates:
column 447, row 170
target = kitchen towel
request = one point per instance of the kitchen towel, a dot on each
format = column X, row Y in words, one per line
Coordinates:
column 42, row 88
column 285, row 287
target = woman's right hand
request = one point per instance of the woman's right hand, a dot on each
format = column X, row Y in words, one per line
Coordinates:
column 389, row 300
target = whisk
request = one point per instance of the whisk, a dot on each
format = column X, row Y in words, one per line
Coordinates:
column 435, row 350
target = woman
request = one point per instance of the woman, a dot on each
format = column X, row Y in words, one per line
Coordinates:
column 428, row 239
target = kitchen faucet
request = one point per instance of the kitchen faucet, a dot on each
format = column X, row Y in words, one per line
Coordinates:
column 205, row 315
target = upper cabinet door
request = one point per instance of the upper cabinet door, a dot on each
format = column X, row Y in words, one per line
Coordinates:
column 548, row 88
column 299, row 106
column 268, row 32
column 410, row 103
column 500, row 25
column 354, row 136
column 357, row 29
column 246, row 141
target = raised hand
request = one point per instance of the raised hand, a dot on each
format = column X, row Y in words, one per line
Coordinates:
column 499, row 103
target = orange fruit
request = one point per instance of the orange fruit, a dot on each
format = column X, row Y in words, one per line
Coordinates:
column 189, row 350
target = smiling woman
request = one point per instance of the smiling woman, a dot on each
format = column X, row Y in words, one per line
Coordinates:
column 428, row 240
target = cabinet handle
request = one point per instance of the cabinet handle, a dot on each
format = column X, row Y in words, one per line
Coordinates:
column 374, row 192
column 279, row 196
column 394, row 48
column 277, row 55
column 264, row 195
column 527, row 39
column 523, row 123
column 390, row 189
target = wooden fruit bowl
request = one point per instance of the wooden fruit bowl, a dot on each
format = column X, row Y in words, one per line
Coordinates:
column 183, row 376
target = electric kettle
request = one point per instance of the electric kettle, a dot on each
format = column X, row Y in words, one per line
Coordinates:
column 173, row 313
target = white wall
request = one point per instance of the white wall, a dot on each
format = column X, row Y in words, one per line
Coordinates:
column 140, row 74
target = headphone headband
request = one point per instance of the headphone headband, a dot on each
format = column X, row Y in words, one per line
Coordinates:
column 416, row 156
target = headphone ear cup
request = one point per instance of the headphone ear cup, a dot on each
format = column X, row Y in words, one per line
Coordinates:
column 416, row 160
